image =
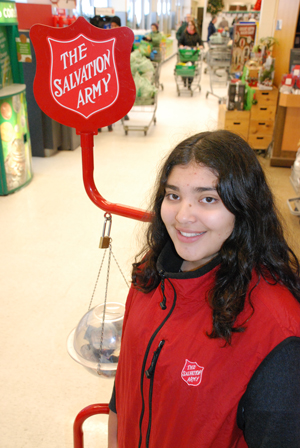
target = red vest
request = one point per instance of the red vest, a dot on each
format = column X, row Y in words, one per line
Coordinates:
column 191, row 399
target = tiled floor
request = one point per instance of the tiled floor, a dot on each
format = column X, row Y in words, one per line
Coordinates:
column 49, row 239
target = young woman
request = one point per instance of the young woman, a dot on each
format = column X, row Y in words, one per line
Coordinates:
column 210, row 354
column 190, row 37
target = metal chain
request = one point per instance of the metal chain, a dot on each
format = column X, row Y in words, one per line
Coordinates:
column 97, row 280
column 104, row 310
column 120, row 269
column 106, row 288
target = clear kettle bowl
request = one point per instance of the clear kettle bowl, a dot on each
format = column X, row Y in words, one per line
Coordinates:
column 85, row 340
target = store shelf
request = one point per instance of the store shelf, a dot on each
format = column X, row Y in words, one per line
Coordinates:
column 289, row 100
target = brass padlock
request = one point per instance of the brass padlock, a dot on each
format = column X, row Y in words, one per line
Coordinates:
column 104, row 242
column 105, row 239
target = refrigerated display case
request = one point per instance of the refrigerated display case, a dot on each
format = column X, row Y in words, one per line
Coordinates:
column 15, row 146
column 15, row 155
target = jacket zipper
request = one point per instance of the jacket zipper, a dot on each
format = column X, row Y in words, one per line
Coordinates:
column 150, row 375
column 145, row 359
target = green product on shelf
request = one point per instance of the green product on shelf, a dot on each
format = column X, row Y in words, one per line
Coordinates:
column 249, row 92
column 6, row 78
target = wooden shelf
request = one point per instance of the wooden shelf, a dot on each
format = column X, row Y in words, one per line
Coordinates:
column 289, row 100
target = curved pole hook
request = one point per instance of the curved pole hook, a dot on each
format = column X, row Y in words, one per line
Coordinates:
column 87, row 144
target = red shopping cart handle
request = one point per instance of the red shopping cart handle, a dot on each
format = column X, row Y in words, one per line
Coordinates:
column 85, row 413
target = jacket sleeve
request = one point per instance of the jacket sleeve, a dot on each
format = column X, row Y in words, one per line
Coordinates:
column 269, row 411
column 182, row 39
column 180, row 31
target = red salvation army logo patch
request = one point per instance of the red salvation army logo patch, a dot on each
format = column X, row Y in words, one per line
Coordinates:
column 192, row 373
column 81, row 81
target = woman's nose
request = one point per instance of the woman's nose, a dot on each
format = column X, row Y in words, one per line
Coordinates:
column 185, row 213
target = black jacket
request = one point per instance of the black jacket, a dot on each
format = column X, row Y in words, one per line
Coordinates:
column 190, row 40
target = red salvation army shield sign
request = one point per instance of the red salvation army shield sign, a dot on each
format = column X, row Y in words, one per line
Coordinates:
column 83, row 76
column 192, row 373
column 89, row 87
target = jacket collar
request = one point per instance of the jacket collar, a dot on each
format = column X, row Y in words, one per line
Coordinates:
column 169, row 264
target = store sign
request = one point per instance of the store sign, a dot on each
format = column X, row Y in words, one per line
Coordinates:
column 104, row 12
column 8, row 13
column 83, row 77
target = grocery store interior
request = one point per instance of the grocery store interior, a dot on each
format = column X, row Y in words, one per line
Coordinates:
column 50, row 232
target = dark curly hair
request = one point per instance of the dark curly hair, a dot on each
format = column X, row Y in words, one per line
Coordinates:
column 256, row 243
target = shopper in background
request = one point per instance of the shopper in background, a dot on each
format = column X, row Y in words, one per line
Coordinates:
column 211, row 27
column 191, row 39
column 155, row 38
column 115, row 22
column 183, row 26
column 210, row 353
column 223, row 24
column 250, row 18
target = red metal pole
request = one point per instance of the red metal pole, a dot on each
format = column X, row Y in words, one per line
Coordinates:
column 85, row 413
column 87, row 144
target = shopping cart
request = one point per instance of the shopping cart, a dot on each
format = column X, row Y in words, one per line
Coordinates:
column 218, row 60
column 142, row 115
column 188, row 71
column 143, row 112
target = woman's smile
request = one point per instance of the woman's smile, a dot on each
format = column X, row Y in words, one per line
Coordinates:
column 189, row 237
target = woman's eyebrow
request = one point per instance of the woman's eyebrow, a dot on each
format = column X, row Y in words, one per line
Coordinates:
column 171, row 187
column 196, row 189
column 201, row 189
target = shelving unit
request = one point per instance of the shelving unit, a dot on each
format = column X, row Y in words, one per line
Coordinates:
column 255, row 126
column 236, row 121
column 262, row 118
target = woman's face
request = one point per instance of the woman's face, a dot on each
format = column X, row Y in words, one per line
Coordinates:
column 191, row 26
column 153, row 28
column 194, row 215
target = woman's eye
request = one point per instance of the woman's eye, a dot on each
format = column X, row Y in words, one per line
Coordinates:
column 208, row 200
column 172, row 196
